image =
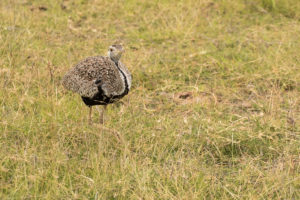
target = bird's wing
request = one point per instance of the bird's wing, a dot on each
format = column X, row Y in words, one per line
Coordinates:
column 93, row 74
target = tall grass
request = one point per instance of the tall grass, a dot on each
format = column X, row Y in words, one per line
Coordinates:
column 213, row 112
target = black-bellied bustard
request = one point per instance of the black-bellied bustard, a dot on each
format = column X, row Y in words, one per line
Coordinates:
column 100, row 80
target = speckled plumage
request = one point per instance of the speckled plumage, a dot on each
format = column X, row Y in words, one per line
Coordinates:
column 98, row 80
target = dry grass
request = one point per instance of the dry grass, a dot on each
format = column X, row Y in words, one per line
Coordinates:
column 214, row 111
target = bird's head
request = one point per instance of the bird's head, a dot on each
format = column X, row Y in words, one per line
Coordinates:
column 115, row 52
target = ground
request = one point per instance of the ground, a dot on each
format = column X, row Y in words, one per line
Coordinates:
column 213, row 113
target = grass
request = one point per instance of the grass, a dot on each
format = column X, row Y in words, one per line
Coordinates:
column 214, row 111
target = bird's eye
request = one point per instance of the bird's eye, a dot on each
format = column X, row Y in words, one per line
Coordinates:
column 111, row 49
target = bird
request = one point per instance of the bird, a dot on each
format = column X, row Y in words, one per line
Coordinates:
column 100, row 80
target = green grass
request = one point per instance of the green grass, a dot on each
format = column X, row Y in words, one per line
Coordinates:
column 236, row 134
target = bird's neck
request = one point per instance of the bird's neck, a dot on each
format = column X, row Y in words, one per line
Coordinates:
column 117, row 63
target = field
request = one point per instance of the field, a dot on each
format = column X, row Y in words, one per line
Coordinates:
column 213, row 113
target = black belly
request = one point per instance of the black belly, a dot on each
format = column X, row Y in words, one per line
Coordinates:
column 100, row 99
column 93, row 102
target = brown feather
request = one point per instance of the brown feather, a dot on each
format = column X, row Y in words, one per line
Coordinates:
column 81, row 78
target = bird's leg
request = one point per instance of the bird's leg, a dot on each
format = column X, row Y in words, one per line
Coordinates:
column 90, row 115
column 102, row 114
